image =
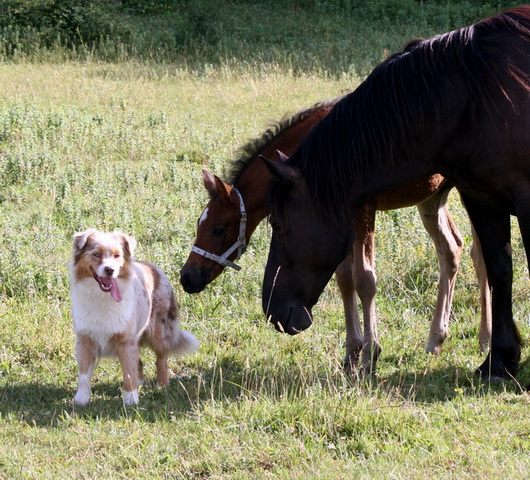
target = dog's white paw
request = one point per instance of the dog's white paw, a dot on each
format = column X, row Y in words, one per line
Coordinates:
column 82, row 398
column 130, row 398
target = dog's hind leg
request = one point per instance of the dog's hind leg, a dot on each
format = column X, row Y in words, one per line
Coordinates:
column 86, row 361
column 140, row 372
column 162, row 377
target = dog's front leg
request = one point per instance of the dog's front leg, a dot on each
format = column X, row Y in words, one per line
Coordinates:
column 129, row 356
column 86, row 360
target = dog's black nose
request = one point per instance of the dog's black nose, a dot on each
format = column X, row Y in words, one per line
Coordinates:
column 109, row 271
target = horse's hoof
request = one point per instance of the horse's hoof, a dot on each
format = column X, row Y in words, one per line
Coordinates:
column 486, row 377
column 369, row 363
column 368, row 371
column 433, row 349
column 351, row 361
column 491, row 373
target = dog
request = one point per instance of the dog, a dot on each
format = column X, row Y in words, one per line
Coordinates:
column 118, row 305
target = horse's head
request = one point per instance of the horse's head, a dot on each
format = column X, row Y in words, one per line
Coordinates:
column 306, row 247
column 220, row 236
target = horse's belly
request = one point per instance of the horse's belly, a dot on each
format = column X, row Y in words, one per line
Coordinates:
column 409, row 194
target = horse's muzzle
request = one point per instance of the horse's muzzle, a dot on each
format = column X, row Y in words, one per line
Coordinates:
column 194, row 280
column 298, row 320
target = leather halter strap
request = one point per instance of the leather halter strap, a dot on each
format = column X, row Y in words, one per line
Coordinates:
column 240, row 245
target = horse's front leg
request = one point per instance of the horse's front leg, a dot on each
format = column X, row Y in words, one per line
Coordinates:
column 493, row 231
column 365, row 279
column 448, row 243
column 354, row 333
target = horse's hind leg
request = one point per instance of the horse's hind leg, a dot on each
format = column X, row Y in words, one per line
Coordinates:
column 484, row 333
column 354, row 334
column 493, row 230
column 448, row 243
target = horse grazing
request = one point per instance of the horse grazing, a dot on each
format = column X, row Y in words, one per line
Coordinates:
column 233, row 213
column 457, row 104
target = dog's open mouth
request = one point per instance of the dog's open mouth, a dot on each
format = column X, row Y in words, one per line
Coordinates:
column 109, row 285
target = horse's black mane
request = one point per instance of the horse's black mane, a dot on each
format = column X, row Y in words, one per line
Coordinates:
column 405, row 92
column 255, row 146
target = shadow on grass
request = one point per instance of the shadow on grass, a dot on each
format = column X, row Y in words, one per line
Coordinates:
column 440, row 384
column 46, row 405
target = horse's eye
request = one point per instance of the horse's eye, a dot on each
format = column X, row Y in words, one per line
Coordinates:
column 218, row 231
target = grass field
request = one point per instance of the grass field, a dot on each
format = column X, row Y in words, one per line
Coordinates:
column 122, row 145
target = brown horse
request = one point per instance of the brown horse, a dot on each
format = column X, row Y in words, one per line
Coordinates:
column 457, row 104
column 221, row 229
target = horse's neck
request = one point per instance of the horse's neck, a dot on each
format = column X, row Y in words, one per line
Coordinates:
column 253, row 183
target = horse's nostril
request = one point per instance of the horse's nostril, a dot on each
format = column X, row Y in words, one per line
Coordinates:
column 191, row 283
column 184, row 281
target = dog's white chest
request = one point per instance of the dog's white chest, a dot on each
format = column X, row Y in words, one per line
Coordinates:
column 97, row 315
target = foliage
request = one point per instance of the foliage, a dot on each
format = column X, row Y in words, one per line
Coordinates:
column 332, row 37
column 70, row 23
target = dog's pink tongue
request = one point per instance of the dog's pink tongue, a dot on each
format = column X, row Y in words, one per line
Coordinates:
column 115, row 290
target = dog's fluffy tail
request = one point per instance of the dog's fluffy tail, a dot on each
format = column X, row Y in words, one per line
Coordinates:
column 185, row 344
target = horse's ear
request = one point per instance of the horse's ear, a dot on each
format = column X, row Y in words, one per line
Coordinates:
column 208, row 180
column 281, row 171
column 215, row 186
column 282, row 158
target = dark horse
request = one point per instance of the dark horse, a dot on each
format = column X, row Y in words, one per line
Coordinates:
column 235, row 209
column 457, row 104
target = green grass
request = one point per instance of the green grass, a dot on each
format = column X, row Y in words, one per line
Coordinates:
column 112, row 146
column 122, row 145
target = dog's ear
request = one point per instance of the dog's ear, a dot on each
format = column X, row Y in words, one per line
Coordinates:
column 128, row 242
column 81, row 238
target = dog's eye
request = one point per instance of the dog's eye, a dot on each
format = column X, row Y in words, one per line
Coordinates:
column 117, row 255
column 97, row 255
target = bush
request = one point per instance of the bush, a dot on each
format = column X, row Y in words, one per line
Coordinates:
column 331, row 37
column 151, row 7
column 70, row 22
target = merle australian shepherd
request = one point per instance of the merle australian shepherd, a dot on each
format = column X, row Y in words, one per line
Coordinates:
column 118, row 305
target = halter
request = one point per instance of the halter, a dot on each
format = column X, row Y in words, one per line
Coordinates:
column 240, row 244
